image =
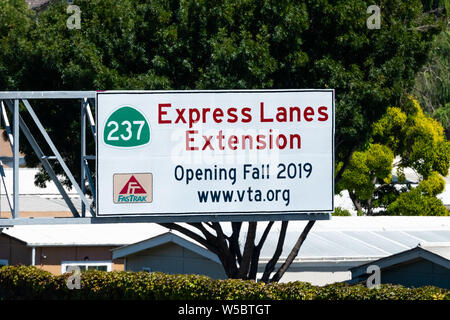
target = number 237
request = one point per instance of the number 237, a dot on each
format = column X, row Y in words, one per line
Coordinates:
column 129, row 133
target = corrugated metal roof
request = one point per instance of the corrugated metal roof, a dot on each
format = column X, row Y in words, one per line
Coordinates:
column 85, row 235
column 341, row 237
column 362, row 237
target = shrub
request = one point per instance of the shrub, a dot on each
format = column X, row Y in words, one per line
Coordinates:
column 338, row 211
column 25, row 283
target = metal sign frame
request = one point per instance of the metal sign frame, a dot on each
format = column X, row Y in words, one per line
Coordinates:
column 87, row 215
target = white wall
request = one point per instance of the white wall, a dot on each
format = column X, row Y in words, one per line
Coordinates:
column 26, row 183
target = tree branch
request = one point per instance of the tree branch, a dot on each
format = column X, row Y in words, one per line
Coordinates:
column 381, row 186
column 293, row 253
column 265, row 234
column 190, row 234
column 270, row 266
column 233, row 241
column 344, row 166
column 223, row 251
column 257, row 251
column 436, row 10
column 425, row 27
column 209, row 224
column 248, row 250
column 355, row 201
column 208, row 235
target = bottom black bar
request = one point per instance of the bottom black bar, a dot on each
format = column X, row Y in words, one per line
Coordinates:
column 193, row 310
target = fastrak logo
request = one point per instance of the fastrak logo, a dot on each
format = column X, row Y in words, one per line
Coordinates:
column 129, row 191
column 133, row 188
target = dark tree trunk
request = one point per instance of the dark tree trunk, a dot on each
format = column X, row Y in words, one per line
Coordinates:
column 339, row 174
column 257, row 252
column 270, row 266
column 227, row 249
column 287, row 263
column 248, row 251
column 355, row 201
column 234, row 241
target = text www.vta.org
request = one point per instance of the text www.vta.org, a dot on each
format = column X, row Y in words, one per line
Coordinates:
column 251, row 195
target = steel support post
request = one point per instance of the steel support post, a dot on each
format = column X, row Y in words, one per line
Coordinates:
column 7, row 125
column 91, row 121
column 83, row 154
column 15, row 212
column 91, row 181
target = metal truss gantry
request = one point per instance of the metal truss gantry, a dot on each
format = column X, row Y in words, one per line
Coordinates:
column 12, row 100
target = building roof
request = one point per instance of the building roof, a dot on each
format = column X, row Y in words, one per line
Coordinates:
column 167, row 237
column 84, row 235
column 440, row 249
column 438, row 253
column 362, row 237
column 341, row 238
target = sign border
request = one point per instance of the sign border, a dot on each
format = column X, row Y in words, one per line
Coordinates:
column 222, row 216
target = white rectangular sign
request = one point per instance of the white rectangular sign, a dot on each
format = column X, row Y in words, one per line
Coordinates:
column 212, row 153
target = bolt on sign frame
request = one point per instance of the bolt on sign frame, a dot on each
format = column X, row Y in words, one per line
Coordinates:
column 87, row 215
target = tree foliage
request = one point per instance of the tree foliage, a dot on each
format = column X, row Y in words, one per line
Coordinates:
column 433, row 81
column 416, row 138
column 421, row 201
column 16, row 24
column 416, row 141
column 199, row 44
column 432, row 84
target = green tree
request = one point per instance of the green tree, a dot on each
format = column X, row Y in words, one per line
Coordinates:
column 432, row 84
column 338, row 211
column 366, row 168
column 421, row 200
column 16, row 24
column 198, row 44
column 416, row 141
